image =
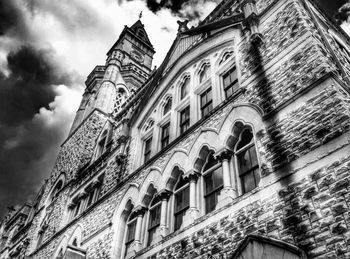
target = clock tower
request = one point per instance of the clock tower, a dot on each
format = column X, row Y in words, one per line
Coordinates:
column 128, row 65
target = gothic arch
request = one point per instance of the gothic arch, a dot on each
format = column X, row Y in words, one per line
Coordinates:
column 61, row 247
column 259, row 247
column 173, row 178
column 178, row 157
column 153, row 177
column 201, row 157
column 77, row 235
column 222, row 56
column 58, row 184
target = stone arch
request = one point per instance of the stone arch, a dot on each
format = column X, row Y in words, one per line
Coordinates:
column 148, row 195
column 56, row 187
column 178, row 158
column 120, row 219
column 259, row 247
column 147, row 125
column 201, row 66
column 245, row 113
column 173, row 178
column 225, row 54
column 168, row 97
column 154, row 177
column 201, row 158
column 76, row 237
column 61, row 247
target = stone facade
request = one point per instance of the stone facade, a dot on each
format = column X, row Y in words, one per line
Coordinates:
column 293, row 94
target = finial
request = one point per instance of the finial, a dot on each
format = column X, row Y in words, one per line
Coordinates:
column 182, row 26
column 140, row 15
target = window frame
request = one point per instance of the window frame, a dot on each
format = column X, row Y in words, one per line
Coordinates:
column 147, row 153
column 181, row 212
column 233, row 83
column 185, row 123
column 208, row 104
column 152, row 228
column 216, row 189
column 165, row 139
column 184, row 87
column 245, row 148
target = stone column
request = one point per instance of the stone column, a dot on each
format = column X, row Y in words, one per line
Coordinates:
column 163, row 226
column 193, row 212
column 228, row 193
column 140, row 212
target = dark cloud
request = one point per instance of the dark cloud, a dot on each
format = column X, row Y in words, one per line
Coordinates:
column 9, row 16
column 186, row 9
column 28, row 143
column 343, row 13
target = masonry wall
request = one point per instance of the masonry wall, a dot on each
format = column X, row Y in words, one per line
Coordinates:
column 303, row 149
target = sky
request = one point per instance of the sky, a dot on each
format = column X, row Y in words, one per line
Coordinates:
column 47, row 49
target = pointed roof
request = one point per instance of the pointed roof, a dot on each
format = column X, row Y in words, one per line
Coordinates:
column 138, row 31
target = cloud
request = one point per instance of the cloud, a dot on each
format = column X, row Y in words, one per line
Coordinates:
column 47, row 50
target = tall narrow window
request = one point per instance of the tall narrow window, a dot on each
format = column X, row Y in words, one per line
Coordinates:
column 205, row 73
column 165, row 135
column 154, row 219
column 230, row 82
column 184, row 88
column 130, row 233
column 184, row 119
column 213, row 183
column 167, row 106
column 101, row 144
column 147, row 151
column 182, row 201
column 247, row 161
column 206, row 102
column 90, row 198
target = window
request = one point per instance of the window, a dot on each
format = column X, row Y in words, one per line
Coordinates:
column 147, row 152
column 206, row 102
column 184, row 119
column 130, row 232
column 154, row 219
column 76, row 209
column 204, row 73
column 226, row 56
column 247, row 161
column 182, row 203
column 56, row 190
column 167, row 106
column 165, row 135
column 213, row 182
column 184, row 88
column 230, row 82
column 101, row 144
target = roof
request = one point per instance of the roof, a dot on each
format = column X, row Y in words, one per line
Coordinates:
column 134, row 31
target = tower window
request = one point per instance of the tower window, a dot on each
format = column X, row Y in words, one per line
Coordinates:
column 165, row 135
column 230, row 82
column 184, row 119
column 147, row 150
column 206, row 102
column 213, row 183
column 247, row 161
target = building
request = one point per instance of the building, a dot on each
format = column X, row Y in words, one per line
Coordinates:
column 237, row 146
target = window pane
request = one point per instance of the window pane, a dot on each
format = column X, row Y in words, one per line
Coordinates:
column 151, row 234
column 154, row 217
column 253, row 157
column 209, row 185
column 246, row 137
column 178, row 220
column 244, row 161
column 248, row 182
column 131, row 231
column 210, row 203
column 217, row 175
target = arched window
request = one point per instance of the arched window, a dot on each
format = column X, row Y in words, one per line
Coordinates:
column 60, row 254
column 105, row 142
column 154, row 218
column 213, row 182
column 56, row 190
column 204, row 73
column 167, row 106
column 184, row 88
column 247, row 161
column 130, row 231
column 75, row 242
column 181, row 202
